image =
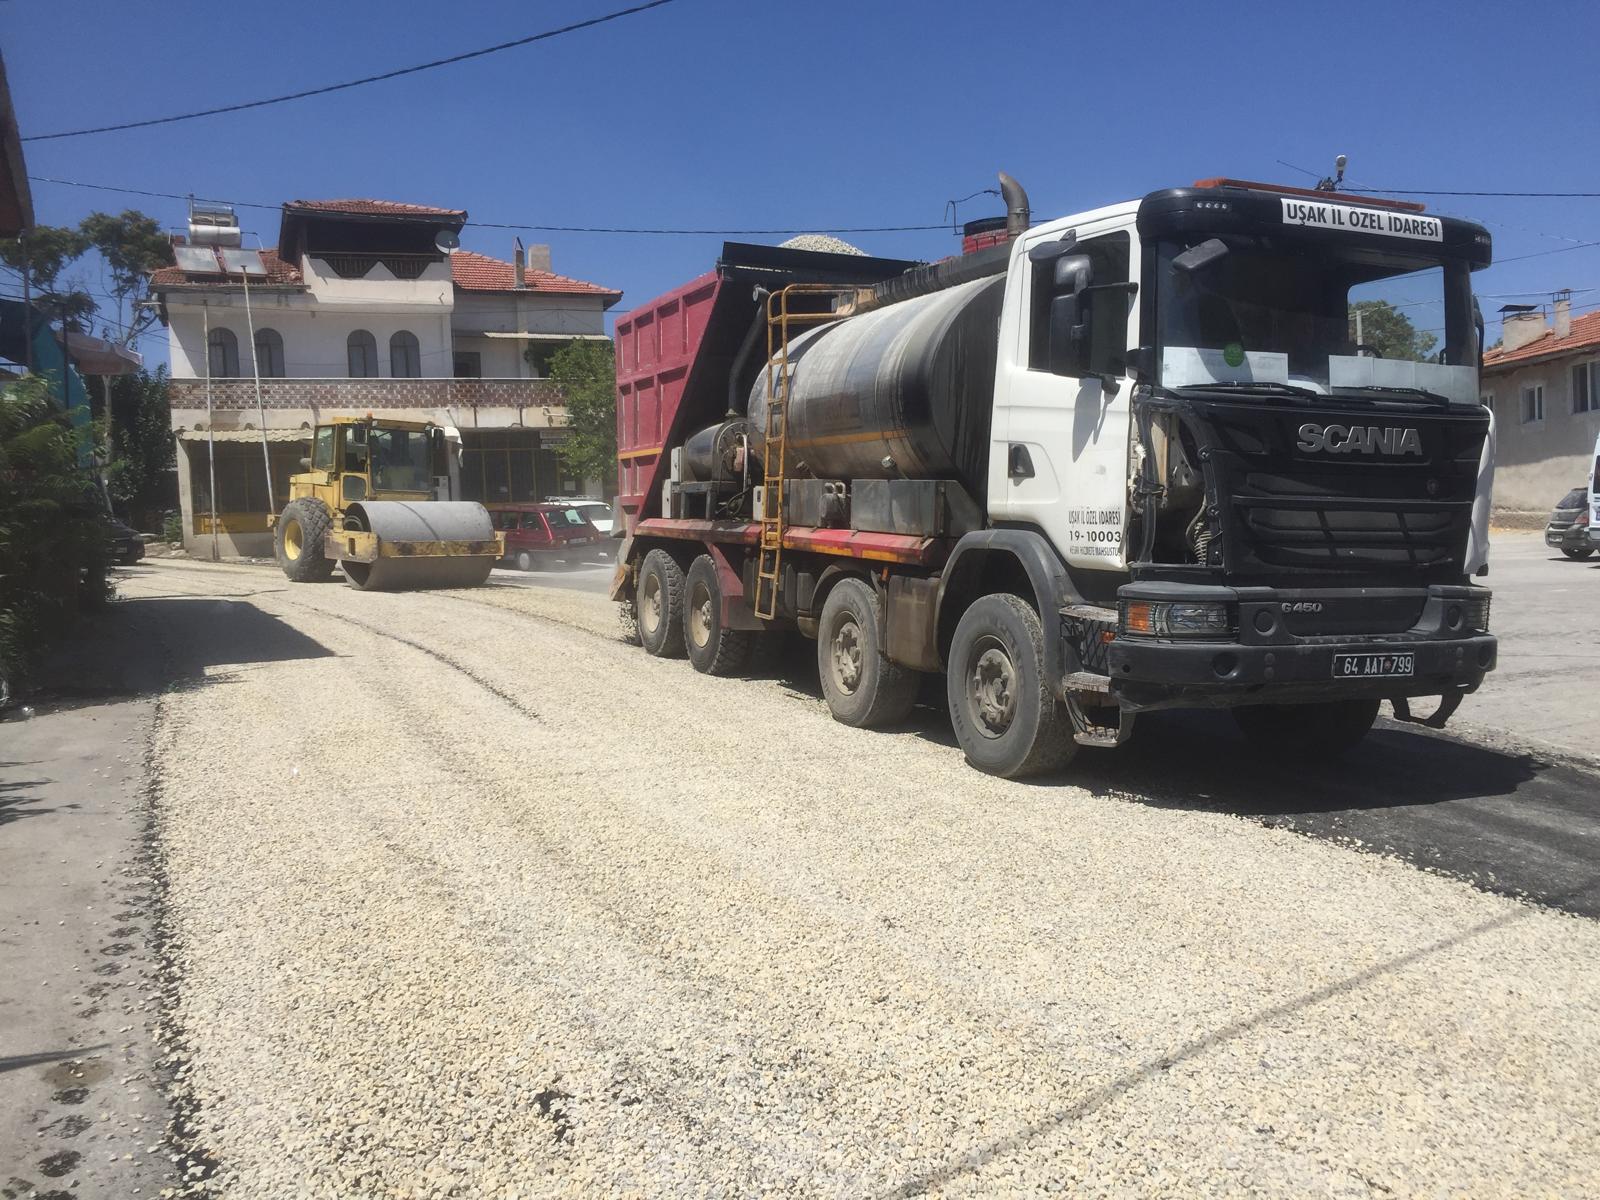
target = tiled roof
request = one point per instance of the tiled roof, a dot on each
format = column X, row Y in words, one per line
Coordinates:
column 480, row 273
column 1585, row 335
column 278, row 272
column 375, row 208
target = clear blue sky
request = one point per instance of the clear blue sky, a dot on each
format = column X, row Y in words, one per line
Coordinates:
column 816, row 113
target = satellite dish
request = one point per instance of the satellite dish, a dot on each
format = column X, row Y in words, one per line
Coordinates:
column 447, row 241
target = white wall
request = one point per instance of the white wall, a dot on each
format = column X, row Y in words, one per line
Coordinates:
column 314, row 336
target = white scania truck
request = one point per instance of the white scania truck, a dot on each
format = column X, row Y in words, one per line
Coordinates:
column 1218, row 447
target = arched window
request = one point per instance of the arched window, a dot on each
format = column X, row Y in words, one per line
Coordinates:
column 269, row 353
column 405, row 355
column 362, row 348
column 222, row 349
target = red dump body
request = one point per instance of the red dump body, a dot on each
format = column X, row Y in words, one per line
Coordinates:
column 675, row 355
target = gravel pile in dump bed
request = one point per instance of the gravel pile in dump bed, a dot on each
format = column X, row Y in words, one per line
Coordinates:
column 470, row 901
column 822, row 242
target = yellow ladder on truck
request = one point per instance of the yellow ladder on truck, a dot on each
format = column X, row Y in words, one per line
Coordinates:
column 781, row 318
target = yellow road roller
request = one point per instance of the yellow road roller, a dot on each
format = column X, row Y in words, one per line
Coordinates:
column 368, row 501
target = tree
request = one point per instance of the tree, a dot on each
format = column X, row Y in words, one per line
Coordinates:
column 131, row 245
column 142, row 452
column 1390, row 331
column 584, row 372
column 47, row 250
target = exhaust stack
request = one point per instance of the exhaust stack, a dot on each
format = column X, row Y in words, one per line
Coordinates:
column 1018, row 215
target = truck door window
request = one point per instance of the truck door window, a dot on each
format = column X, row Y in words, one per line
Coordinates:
column 1108, row 259
column 322, row 450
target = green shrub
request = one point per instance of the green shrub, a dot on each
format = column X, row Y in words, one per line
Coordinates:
column 52, row 536
column 172, row 527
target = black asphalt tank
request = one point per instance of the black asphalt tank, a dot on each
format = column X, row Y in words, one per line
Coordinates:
column 903, row 391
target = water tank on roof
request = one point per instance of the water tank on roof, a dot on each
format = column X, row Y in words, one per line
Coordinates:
column 213, row 225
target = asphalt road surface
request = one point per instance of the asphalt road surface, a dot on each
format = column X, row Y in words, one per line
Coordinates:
column 465, row 895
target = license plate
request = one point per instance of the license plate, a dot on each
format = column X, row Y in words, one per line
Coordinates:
column 1374, row 666
column 578, row 542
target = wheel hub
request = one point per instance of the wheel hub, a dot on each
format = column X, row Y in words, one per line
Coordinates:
column 291, row 539
column 650, row 605
column 700, row 615
column 992, row 690
column 847, row 656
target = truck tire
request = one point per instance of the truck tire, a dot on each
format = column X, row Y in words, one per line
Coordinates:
column 1006, row 719
column 861, row 686
column 1578, row 555
column 712, row 649
column 298, row 541
column 661, row 605
column 1306, row 732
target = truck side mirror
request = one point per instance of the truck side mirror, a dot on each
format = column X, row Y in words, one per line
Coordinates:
column 1068, row 335
column 1069, row 316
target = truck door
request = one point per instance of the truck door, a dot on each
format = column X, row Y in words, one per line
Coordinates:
column 1059, row 460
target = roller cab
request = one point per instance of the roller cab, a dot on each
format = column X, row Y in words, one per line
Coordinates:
column 370, row 502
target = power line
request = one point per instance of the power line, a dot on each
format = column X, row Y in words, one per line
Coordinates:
column 102, row 187
column 1511, row 195
column 339, row 87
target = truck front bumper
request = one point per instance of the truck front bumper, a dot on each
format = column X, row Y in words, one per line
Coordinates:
column 1275, row 657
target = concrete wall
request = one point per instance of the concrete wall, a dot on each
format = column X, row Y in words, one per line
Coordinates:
column 1537, row 463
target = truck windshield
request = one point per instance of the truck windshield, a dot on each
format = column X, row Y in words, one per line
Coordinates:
column 400, row 460
column 1316, row 317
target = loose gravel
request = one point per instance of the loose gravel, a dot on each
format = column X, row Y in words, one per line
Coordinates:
column 470, row 898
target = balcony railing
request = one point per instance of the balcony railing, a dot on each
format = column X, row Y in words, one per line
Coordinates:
column 301, row 392
column 356, row 266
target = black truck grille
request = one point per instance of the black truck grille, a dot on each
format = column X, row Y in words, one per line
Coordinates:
column 1284, row 509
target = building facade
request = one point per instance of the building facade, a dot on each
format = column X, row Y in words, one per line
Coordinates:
column 363, row 306
column 1543, row 382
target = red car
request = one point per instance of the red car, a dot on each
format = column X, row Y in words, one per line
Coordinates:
column 538, row 533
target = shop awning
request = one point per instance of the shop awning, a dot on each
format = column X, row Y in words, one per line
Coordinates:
column 541, row 337
column 245, row 435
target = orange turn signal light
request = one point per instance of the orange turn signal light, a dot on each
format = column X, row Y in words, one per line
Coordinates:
column 1138, row 617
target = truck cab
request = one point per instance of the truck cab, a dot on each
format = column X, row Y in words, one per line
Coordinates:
column 1216, row 405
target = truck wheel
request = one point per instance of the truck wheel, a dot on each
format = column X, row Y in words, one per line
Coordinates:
column 661, row 605
column 1006, row 719
column 1578, row 555
column 712, row 649
column 1302, row 732
column 861, row 686
column 298, row 541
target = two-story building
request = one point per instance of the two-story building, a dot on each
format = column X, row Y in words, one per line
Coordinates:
column 363, row 306
column 1543, row 382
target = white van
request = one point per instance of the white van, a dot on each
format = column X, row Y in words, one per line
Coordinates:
column 1594, row 496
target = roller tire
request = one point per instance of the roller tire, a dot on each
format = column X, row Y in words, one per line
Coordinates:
column 712, row 649
column 660, row 595
column 997, row 655
column 310, row 522
column 861, row 686
column 1306, row 732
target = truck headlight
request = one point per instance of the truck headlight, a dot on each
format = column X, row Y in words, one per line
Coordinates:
column 1177, row 619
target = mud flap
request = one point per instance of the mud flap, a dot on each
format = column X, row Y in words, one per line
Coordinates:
column 1448, row 703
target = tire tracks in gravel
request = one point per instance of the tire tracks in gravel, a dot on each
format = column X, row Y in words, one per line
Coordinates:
column 288, row 593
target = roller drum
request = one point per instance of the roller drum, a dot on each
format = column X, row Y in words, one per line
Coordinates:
column 398, row 521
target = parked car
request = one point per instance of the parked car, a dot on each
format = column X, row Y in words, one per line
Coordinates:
column 123, row 544
column 541, row 533
column 1568, row 529
column 598, row 512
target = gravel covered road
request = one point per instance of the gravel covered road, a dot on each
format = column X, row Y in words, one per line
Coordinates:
column 471, row 898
